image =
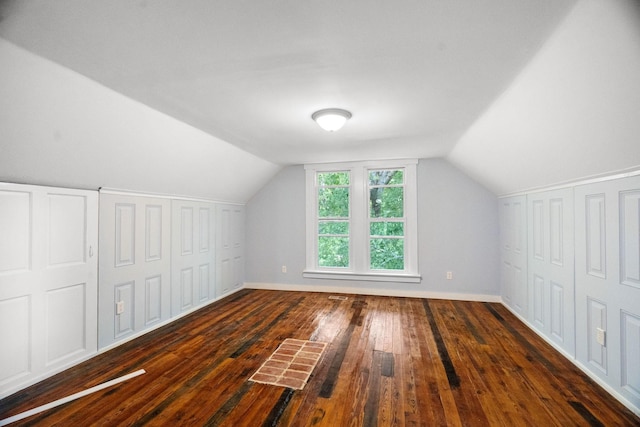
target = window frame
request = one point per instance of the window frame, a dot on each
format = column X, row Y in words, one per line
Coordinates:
column 359, row 244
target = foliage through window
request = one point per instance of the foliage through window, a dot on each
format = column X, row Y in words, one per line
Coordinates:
column 386, row 219
column 333, row 219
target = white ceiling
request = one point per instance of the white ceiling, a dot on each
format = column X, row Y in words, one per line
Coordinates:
column 416, row 74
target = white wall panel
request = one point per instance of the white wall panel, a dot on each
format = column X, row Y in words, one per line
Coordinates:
column 556, row 232
column 66, row 335
column 238, row 272
column 520, row 290
column 225, row 214
column 537, row 222
column 596, row 235
column 15, row 327
column 186, row 230
column 506, row 279
column 506, row 226
column 597, row 319
column 539, row 312
column 203, row 280
column 57, row 231
column 631, row 353
column 205, row 229
column 67, row 227
column 557, row 309
column 607, row 289
column 15, row 229
column 186, row 288
column 230, row 248
column 513, row 237
column 125, row 234
column 237, row 227
column 519, row 225
column 125, row 321
column 153, row 233
column 226, row 276
column 630, row 238
column 519, row 255
column 550, row 266
column 192, row 257
column 135, row 264
column 48, row 281
column 153, row 300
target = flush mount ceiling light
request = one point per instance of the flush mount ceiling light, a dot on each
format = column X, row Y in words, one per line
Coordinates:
column 331, row 119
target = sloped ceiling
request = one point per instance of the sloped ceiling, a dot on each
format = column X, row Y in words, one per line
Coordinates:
column 58, row 128
column 518, row 94
column 415, row 74
column 572, row 114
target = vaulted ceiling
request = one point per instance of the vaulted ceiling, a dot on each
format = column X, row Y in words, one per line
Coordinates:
column 518, row 94
column 415, row 74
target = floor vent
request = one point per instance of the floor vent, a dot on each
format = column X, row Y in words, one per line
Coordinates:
column 338, row 297
column 291, row 364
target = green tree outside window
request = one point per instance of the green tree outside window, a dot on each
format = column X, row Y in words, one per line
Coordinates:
column 386, row 216
column 333, row 215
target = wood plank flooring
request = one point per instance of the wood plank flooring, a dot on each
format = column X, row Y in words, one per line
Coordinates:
column 389, row 362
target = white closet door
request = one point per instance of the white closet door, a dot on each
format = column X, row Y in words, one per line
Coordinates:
column 48, row 281
column 551, row 266
column 608, row 282
column 230, row 248
column 135, row 263
column 513, row 252
column 192, row 255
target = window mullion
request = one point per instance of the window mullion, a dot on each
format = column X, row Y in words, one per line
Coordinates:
column 411, row 220
column 359, row 220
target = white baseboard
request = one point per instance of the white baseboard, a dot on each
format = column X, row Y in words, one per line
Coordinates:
column 613, row 392
column 373, row 291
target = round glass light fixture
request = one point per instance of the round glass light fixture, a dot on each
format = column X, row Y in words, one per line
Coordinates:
column 331, row 119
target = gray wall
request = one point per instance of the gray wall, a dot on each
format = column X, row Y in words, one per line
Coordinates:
column 457, row 225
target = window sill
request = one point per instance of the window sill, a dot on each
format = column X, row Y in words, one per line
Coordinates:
column 369, row 277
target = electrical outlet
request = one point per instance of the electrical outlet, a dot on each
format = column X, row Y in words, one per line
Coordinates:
column 284, row 268
column 449, row 275
column 120, row 307
column 601, row 337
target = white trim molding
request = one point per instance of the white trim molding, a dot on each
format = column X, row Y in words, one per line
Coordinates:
column 369, row 277
column 372, row 291
column 607, row 176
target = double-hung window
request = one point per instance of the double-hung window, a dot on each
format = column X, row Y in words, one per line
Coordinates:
column 362, row 221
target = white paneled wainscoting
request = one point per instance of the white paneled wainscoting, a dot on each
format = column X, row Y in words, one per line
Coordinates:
column 162, row 258
column 48, row 281
column 581, row 244
column 159, row 258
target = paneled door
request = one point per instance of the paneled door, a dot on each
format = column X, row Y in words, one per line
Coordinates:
column 48, row 281
column 551, row 266
column 135, row 265
column 513, row 252
column 230, row 248
column 608, row 282
column 192, row 254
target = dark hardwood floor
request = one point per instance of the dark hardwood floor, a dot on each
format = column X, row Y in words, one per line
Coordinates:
column 390, row 361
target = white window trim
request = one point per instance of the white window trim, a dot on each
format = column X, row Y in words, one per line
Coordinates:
column 359, row 259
